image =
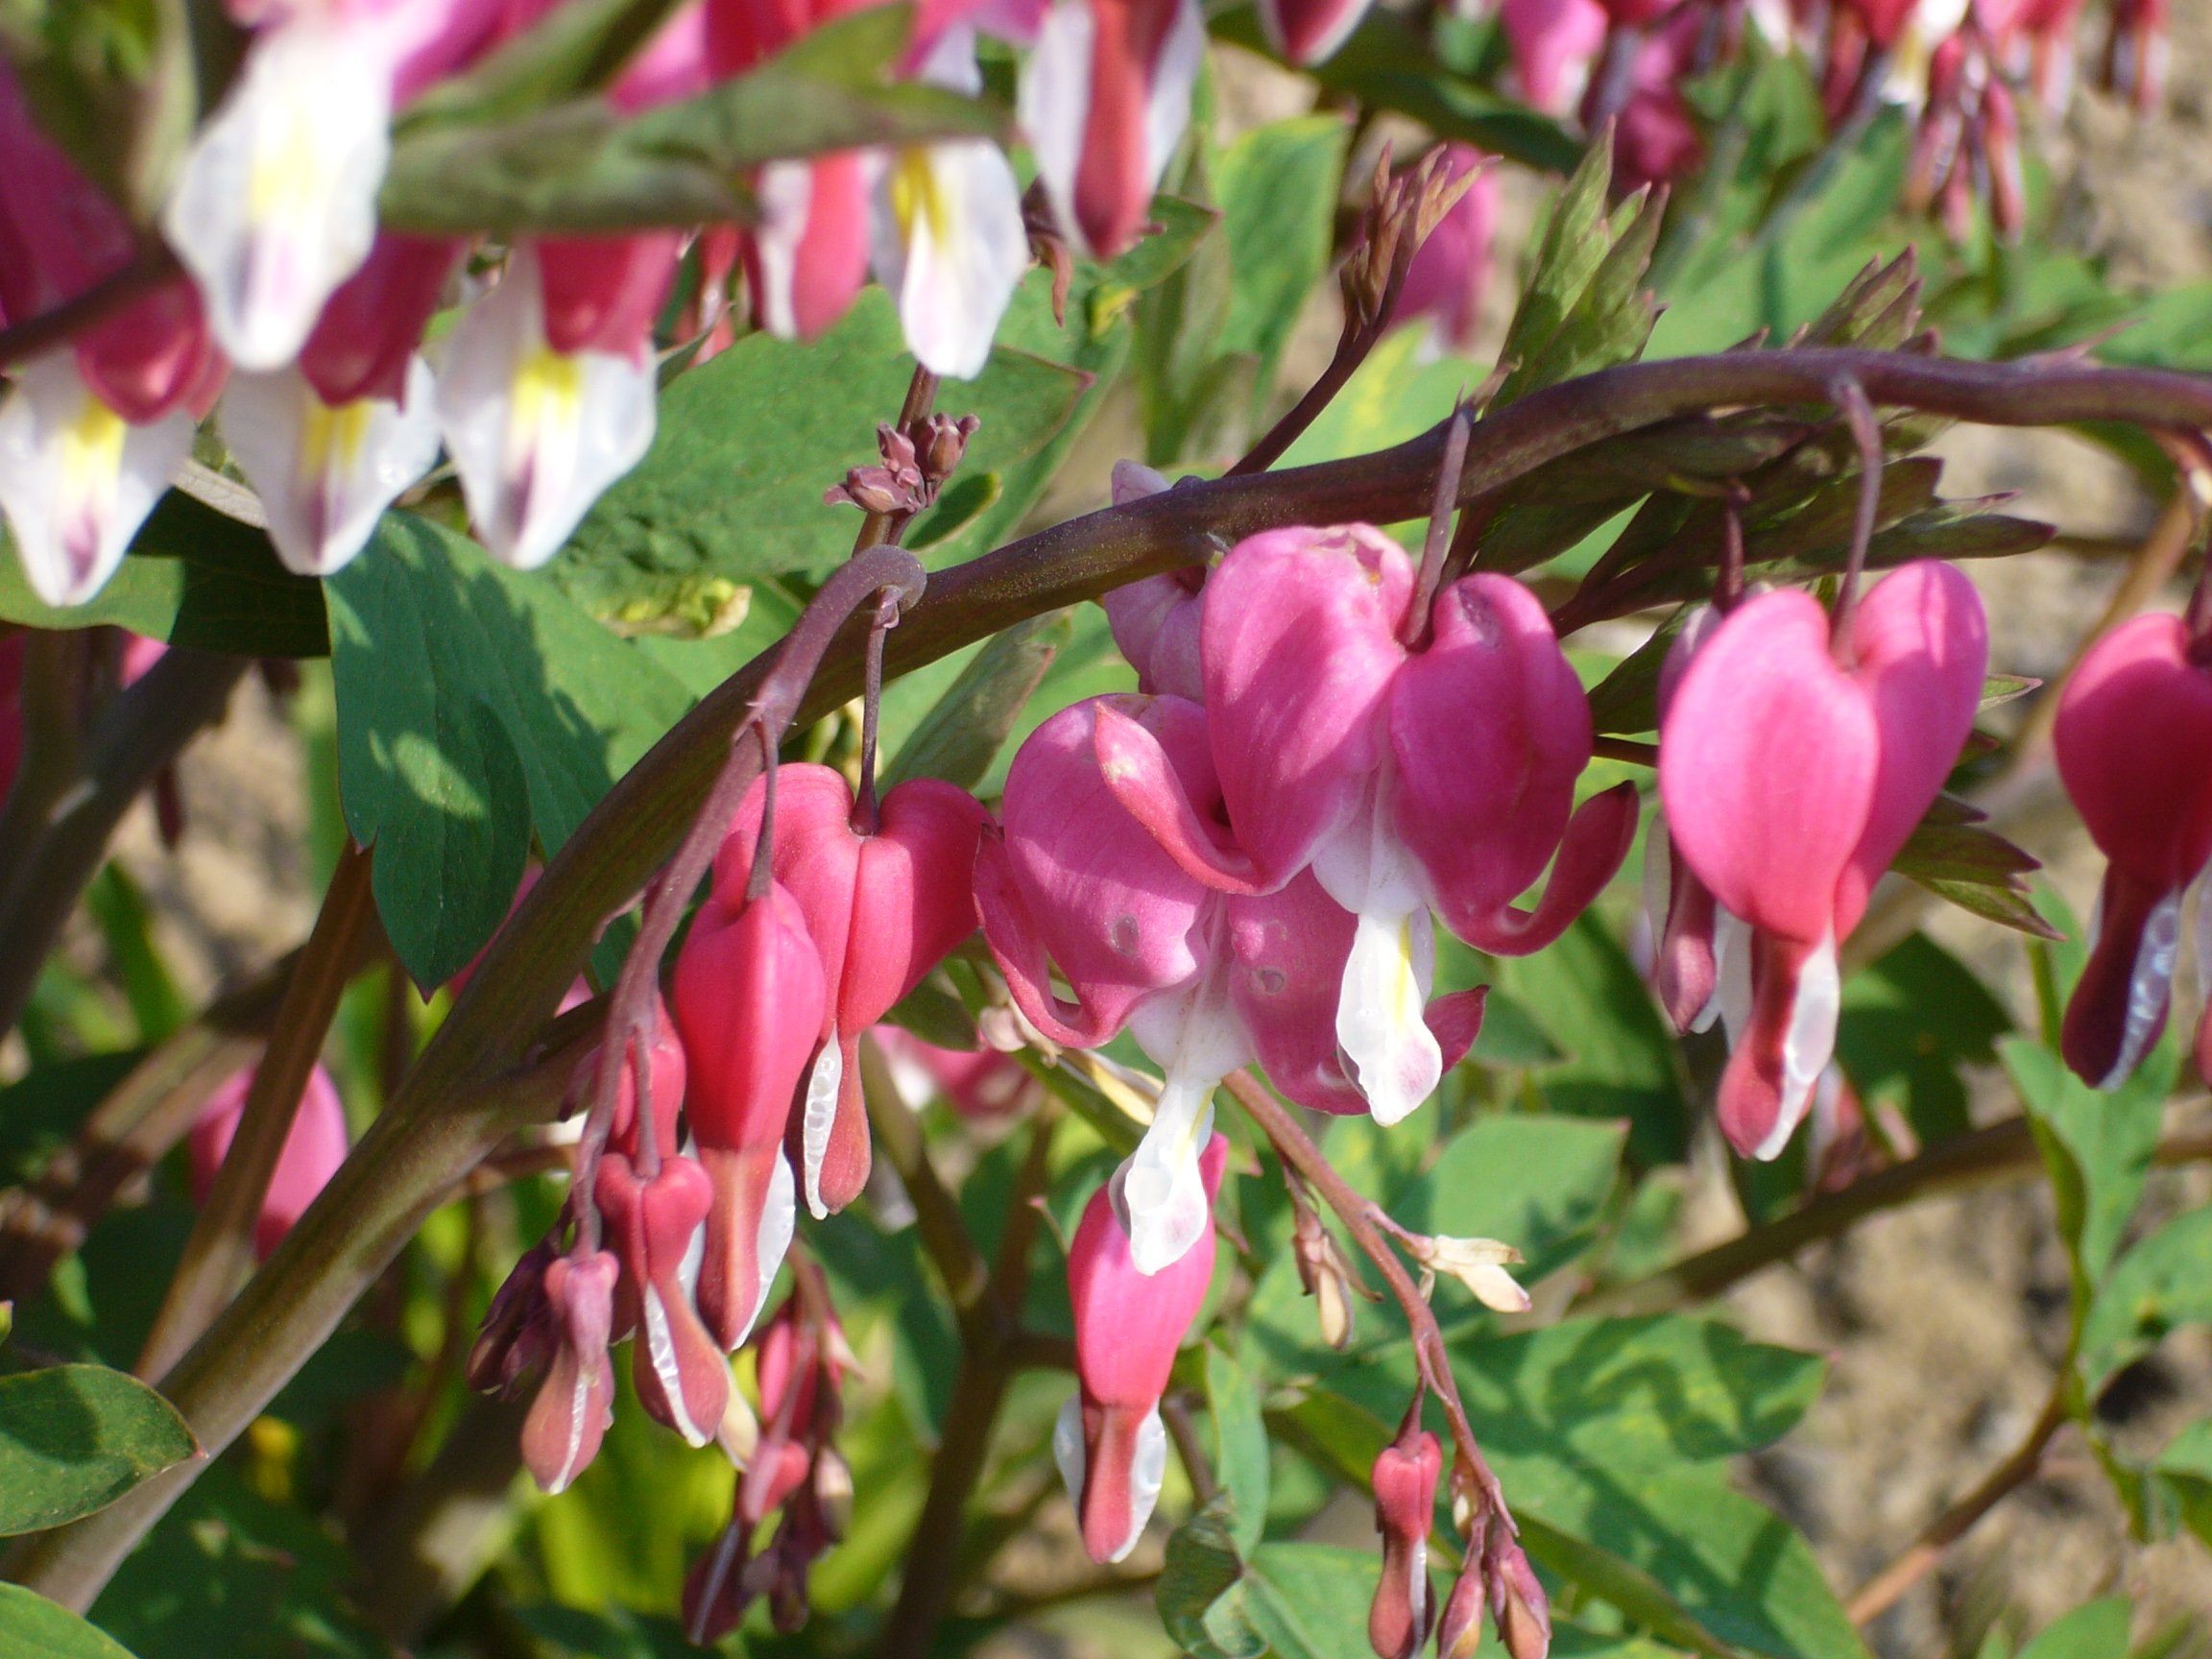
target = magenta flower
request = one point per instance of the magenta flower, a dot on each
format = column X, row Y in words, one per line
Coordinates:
column 313, row 1148
column 1155, row 620
column 1110, row 1444
column 574, row 1404
column 1451, row 270
column 1308, row 31
column 1554, row 43
column 1790, row 781
column 653, row 1224
column 2135, row 746
column 749, row 998
column 1406, row 779
column 1404, row 1482
column 883, row 908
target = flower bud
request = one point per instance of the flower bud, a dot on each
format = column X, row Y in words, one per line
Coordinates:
column 576, row 1402
column 1460, row 1631
column 1405, row 1481
column 1519, row 1605
column 516, row 1333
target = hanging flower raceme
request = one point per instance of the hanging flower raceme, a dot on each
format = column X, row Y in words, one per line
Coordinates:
column 1105, row 98
column 653, row 1205
column 1110, row 1444
column 1207, row 980
column 883, row 904
column 2134, row 747
column 1404, row 1482
column 1451, row 272
column 1406, row 779
column 750, row 999
column 314, row 1148
column 275, row 203
column 329, row 442
column 1790, row 779
column 547, row 392
column 90, row 431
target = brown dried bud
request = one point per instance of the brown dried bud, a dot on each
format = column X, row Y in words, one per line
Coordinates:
column 518, row 1332
column 942, row 442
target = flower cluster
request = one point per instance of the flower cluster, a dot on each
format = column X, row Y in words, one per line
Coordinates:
column 306, row 318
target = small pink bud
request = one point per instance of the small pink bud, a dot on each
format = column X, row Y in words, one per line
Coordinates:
column 1518, row 1605
column 1404, row 1482
column 683, row 1380
column 576, row 1402
column 1460, row 1631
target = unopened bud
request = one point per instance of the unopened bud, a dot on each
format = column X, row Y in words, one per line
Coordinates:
column 576, row 1402
column 516, row 1334
column 1518, row 1605
column 1404, row 1481
column 944, row 442
column 1459, row 1632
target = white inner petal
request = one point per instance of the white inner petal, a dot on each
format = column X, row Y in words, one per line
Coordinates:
column 1380, row 1026
column 778, row 1217
column 1731, row 1000
column 1054, row 103
column 1068, row 1447
column 661, row 1349
column 2149, row 986
column 1809, row 1046
column 817, row 1114
column 785, row 198
column 1196, row 1039
column 1147, row 1468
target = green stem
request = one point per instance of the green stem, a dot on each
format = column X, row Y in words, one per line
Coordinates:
column 219, row 1252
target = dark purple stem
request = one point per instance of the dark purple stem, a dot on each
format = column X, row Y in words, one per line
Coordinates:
column 1438, row 539
column 1851, row 402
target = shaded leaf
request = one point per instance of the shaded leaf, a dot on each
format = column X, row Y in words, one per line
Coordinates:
column 1974, row 868
column 1538, row 1183
column 2159, row 1285
column 2097, row 1631
column 1239, row 1445
column 1309, row 1600
column 1200, row 1593
column 74, row 1438
column 1910, row 1020
column 1278, row 185
column 475, row 707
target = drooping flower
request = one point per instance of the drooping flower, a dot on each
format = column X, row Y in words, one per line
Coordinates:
column 1078, row 884
column 1790, row 781
column 89, row 432
column 652, row 1223
column 330, row 442
column 314, row 1148
column 1406, row 779
column 1554, row 42
column 275, row 203
column 749, row 998
column 1110, row 1443
column 1155, row 619
column 575, row 1403
column 1105, row 98
column 883, row 908
column 1404, row 1478
column 2134, row 748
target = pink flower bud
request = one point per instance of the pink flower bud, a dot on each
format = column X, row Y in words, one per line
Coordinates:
column 370, row 327
column 2134, row 748
column 682, row 1377
column 666, row 1060
column 1518, row 1605
column 576, row 1402
column 1789, row 782
column 749, row 1000
column 1451, row 269
column 1460, row 1631
column 314, row 1148
column 882, row 909
column 1554, row 42
column 1404, row 1482
column 1111, row 1445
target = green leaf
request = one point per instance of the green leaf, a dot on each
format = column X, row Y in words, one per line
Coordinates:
column 1278, row 187
column 1309, row 1600
column 32, row 1627
column 961, row 735
column 1947, row 858
column 2097, row 1631
column 2097, row 1143
column 2184, row 1468
column 1563, row 299
column 2161, row 1283
column 194, row 577
column 1200, row 1593
column 1910, row 1021
column 476, row 705
column 609, row 1633
column 1537, row 1183
column 580, row 167
column 576, row 45
column 229, row 1573
column 1239, row 1445
column 1630, row 1590
column 74, row 1438
column 1622, row 1060
column 745, row 446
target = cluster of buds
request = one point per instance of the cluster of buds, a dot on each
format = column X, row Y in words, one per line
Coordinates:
column 1795, row 757
column 788, row 1465
column 916, row 463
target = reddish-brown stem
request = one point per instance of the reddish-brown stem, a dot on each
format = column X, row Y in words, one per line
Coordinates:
column 152, row 265
column 1850, row 398
column 1432, row 1362
column 1438, row 539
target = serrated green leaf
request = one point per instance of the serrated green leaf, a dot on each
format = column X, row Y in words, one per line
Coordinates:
column 1611, row 320
column 1239, row 1445
column 1974, row 868
column 2097, row 1144
column 194, row 577
column 581, row 167
column 961, row 735
column 32, row 1627
column 74, row 1438
column 1576, row 239
column 2161, row 1283
column 476, row 707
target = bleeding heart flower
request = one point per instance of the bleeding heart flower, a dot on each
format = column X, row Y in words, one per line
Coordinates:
column 1308, row 30
column 314, row 1146
column 1790, row 781
column 749, row 998
column 575, row 1403
column 654, row 1224
column 2134, row 747
column 1110, row 1443
column 883, row 908
column 1405, row 1484
column 1554, row 43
